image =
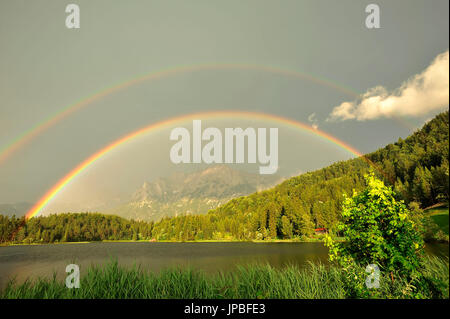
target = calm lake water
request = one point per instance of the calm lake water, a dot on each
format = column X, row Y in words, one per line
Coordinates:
column 42, row 260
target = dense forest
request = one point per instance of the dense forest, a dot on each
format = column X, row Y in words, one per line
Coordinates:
column 72, row 227
column 417, row 168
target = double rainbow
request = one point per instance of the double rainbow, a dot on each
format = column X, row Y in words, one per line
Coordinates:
column 50, row 194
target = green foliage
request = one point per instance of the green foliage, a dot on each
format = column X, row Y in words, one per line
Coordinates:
column 432, row 223
column 441, row 220
column 286, row 227
column 378, row 230
column 315, row 281
column 72, row 228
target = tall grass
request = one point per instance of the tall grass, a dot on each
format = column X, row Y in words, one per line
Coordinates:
column 315, row 281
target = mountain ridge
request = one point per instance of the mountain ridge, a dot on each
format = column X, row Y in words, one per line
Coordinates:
column 191, row 193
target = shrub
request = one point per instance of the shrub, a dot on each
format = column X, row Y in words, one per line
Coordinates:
column 377, row 230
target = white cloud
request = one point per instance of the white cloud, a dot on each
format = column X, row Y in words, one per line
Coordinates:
column 313, row 120
column 422, row 93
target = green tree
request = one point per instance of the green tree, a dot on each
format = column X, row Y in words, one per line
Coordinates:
column 378, row 230
column 286, row 227
column 66, row 236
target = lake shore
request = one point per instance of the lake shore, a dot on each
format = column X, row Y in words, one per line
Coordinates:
column 312, row 240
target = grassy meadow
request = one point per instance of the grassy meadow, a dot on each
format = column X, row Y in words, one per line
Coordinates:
column 440, row 216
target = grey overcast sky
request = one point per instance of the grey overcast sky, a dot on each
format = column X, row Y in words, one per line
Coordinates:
column 45, row 67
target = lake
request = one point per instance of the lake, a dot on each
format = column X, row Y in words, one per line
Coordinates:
column 42, row 260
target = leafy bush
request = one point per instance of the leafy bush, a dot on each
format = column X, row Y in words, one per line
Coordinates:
column 378, row 230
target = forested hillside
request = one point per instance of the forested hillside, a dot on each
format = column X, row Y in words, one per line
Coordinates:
column 416, row 167
column 71, row 227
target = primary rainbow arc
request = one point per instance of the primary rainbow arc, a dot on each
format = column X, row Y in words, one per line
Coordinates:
column 52, row 192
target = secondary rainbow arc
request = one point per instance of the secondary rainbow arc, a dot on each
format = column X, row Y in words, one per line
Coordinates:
column 24, row 138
